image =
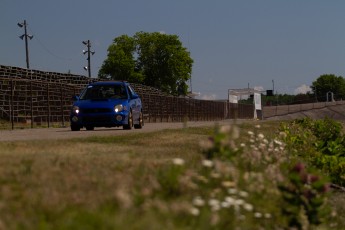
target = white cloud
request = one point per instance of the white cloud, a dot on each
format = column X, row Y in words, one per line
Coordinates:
column 260, row 88
column 208, row 97
column 303, row 89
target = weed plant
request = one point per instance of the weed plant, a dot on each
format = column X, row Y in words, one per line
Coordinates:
column 230, row 177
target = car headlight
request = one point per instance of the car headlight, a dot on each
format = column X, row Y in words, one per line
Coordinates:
column 75, row 109
column 118, row 108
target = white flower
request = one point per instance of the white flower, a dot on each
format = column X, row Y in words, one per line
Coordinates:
column 243, row 193
column 248, row 207
column 198, row 201
column 257, row 215
column 225, row 129
column 229, row 200
column 207, row 163
column 261, row 136
column 232, row 191
column 268, row 215
column 278, row 142
column 215, row 175
column 250, row 133
column 228, row 184
column 243, row 145
column 194, row 211
column 213, row 202
column 226, row 204
column 257, row 126
column 178, row 161
column 282, row 134
column 239, row 202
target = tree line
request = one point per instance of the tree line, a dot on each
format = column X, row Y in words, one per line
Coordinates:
column 160, row 60
column 154, row 59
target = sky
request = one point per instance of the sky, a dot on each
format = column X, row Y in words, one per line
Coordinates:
column 280, row 45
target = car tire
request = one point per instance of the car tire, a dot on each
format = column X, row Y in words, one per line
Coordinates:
column 130, row 121
column 141, row 122
column 90, row 128
column 75, row 128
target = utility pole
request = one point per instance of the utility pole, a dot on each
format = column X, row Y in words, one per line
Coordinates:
column 26, row 36
column 88, row 51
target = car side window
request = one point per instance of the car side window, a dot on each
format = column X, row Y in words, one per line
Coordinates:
column 132, row 92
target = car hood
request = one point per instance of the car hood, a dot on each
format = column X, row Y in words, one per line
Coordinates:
column 102, row 103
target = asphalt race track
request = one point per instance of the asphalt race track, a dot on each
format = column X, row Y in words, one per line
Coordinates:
column 66, row 133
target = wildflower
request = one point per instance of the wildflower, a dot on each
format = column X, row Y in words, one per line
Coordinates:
column 278, row 142
column 243, row 193
column 226, row 204
column 213, row 202
column 194, row 211
column 198, row 201
column 206, row 144
column 239, row 202
column 228, row 184
column 225, row 129
column 250, row 133
column 283, row 134
column 248, row 207
column 257, row 126
column 207, row 163
column 257, row 215
column 232, row 191
column 235, row 133
column 243, row 145
column 268, row 215
column 230, row 200
column 215, row 175
column 178, row 161
column 202, row 179
column 261, row 136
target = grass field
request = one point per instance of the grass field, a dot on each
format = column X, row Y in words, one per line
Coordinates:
column 157, row 180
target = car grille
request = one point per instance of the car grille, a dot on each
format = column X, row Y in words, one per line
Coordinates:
column 97, row 119
column 96, row 110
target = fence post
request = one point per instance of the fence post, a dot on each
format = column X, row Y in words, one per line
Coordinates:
column 61, row 106
column 12, row 111
column 48, row 102
column 31, row 106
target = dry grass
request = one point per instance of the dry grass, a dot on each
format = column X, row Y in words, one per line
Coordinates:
column 43, row 180
column 104, row 182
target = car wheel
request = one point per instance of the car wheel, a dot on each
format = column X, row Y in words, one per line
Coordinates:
column 75, row 128
column 90, row 128
column 130, row 121
column 141, row 122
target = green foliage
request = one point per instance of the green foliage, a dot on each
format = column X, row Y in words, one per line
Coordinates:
column 221, row 144
column 304, row 195
column 154, row 59
column 303, row 192
column 329, row 83
column 168, row 179
column 163, row 180
column 322, row 144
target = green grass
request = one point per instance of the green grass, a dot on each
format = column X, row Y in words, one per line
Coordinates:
column 130, row 182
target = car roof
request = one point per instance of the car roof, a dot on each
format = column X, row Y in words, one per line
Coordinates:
column 108, row 83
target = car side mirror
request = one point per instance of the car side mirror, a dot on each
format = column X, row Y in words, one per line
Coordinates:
column 75, row 98
column 135, row 96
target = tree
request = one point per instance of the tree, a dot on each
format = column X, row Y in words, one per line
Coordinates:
column 154, row 59
column 329, row 83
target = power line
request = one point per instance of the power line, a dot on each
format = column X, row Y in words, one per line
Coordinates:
column 48, row 50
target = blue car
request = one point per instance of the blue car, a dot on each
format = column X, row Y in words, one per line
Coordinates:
column 107, row 104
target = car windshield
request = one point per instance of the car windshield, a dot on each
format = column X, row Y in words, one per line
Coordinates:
column 97, row 92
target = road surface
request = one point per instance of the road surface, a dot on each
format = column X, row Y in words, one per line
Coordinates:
column 66, row 133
